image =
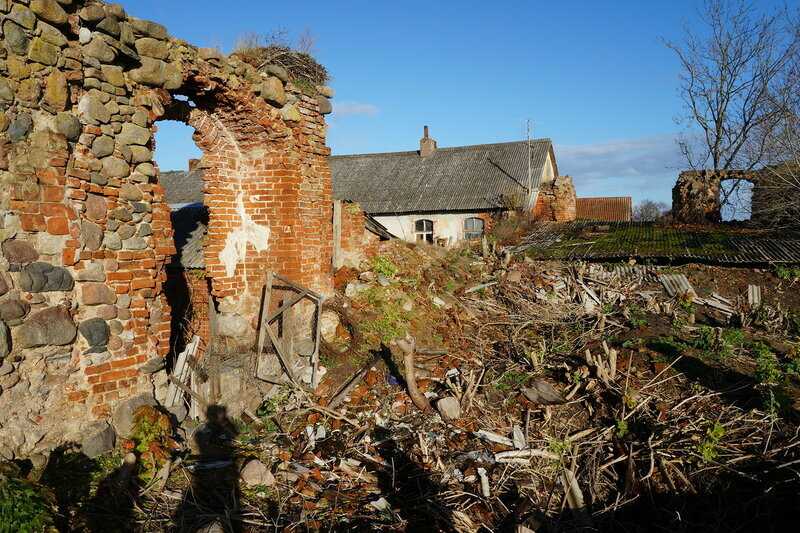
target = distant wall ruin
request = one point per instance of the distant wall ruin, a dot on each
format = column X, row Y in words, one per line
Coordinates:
column 696, row 196
column 556, row 201
column 84, row 226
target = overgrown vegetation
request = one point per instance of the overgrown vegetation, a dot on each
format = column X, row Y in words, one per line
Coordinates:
column 277, row 48
column 23, row 508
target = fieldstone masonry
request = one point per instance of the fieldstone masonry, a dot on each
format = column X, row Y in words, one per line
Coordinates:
column 556, row 201
column 84, row 227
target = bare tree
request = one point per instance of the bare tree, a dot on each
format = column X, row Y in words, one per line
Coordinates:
column 733, row 84
column 649, row 210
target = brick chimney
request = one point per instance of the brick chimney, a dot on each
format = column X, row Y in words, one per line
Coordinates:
column 193, row 164
column 426, row 145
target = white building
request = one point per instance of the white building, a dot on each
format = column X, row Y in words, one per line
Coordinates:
column 444, row 195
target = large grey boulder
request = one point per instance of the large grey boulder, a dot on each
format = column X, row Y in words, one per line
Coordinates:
column 122, row 418
column 50, row 327
column 99, row 438
column 44, row 277
column 96, row 332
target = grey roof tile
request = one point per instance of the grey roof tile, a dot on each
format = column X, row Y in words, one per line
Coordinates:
column 452, row 179
column 182, row 187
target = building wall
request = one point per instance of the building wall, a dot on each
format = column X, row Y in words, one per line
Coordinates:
column 358, row 244
column 85, row 229
column 448, row 226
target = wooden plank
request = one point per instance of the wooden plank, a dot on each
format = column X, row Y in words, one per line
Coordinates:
column 286, row 305
column 315, row 355
column 265, row 302
column 281, row 355
column 297, row 287
column 187, row 390
column 180, row 370
column 337, row 234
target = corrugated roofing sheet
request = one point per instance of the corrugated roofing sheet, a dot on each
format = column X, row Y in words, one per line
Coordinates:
column 451, row 179
column 582, row 240
column 604, row 209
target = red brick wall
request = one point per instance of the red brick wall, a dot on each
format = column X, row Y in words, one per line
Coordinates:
column 358, row 243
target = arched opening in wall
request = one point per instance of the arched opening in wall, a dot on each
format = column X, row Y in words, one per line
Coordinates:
column 187, row 286
column 736, row 200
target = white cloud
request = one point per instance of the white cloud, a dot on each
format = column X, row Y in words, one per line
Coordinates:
column 344, row 109
column 643, row 168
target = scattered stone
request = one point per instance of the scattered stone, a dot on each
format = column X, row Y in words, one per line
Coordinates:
column 99, row 49
column 110, row 25
column 103, row 146
column 96, row 332
column 290, row 113
column 114, row 167
column 450, row 408
column 20, row 127
column 92, row 13
column 151, row 29
column 96, row 207
column 543, row 393
column 49, row 10
column 50, row 327
column 354, row 288
column 255, row 474
column 13, row 311
column 325, row 107
column 114, row 75
column 130, row 192
column 97, row 294
column 122, row 418
column 277, row 71
column 99, row 438
column 43, row 52
column 438, row 302
column 272, row 91
column 149, row 47
column 44, row 277
column 91, row 235
column 16, row 38
column 133, row 134
column 68, row 125
column 19, row 253
column 93, row 111
column 22, row 16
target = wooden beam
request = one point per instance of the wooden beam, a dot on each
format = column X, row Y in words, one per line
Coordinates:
column 315, row 355
column 297, row 287
column 265, row 302
column 281, row 356
column 289, row 303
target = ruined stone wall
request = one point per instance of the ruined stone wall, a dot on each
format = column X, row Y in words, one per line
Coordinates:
column 358, row 244
column 84, row 226
column 695, row 197
column 556, row 201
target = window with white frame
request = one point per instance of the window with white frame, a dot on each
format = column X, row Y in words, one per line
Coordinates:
column 473, row 228
column 423, row 229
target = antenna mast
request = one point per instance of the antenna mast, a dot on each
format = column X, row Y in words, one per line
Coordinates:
column 530, row 175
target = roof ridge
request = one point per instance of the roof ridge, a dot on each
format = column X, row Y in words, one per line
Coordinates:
column 543, row 140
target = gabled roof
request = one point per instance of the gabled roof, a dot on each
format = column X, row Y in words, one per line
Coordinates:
column 604, row 209
column 182, row 187
column 464, row 178
column 190, row 224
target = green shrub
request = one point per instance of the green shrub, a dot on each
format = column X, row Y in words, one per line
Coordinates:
column 23, row 509
column 709, row 447
column 383, row 265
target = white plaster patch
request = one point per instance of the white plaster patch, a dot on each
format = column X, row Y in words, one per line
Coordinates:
column 236, row 243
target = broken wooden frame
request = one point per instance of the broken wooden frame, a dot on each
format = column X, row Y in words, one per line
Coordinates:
column 284, row 349
column 185, row 378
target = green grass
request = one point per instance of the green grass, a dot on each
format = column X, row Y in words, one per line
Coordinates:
column 511, row 380
column 383, row 265
column 709, row 446
column 788, row 272
column 23, row 509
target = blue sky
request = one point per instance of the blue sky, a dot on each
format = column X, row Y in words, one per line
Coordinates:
column 594, row 76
